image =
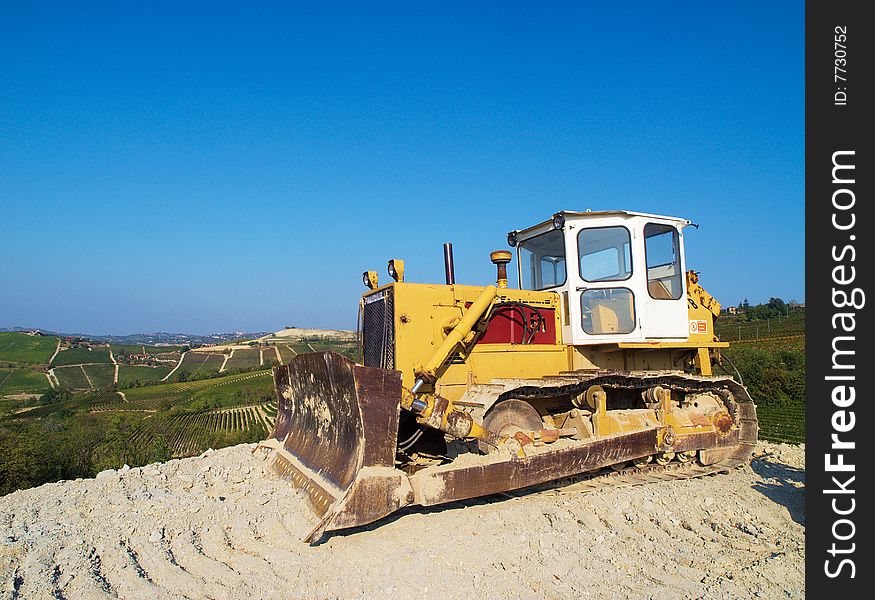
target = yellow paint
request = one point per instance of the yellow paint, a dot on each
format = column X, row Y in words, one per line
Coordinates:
column 698, row 294
column 472, row 315
column 426, row 313
column 433, row 322
column 703, row 361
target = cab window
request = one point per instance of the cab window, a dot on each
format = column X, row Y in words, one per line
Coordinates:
column 605, row 253
column 663, row 262
column 542, row 261
column 606, row 311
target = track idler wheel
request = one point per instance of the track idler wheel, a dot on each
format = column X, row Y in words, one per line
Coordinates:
column 509, row 417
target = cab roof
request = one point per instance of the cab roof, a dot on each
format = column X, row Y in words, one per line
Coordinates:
column 603, row 213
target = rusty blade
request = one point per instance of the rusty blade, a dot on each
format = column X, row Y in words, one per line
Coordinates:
column 335, row 437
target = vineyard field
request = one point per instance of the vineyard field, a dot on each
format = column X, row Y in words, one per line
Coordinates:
column 201, row 362
column 188, row 433
column 286, row 352
column 23, row 348
column 22, row 381
column 72, row 378
column 136, row 374
column 790, row 342
column 782, row 422
column 163, row 349
column 100, row 376
column 268, row 357
column 733, row 329
column 215, row 391
column 143, row 349
column 81, row 356
column 118, row 349
column 244, row 359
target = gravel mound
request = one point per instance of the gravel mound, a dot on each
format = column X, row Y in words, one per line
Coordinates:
column 223, row 526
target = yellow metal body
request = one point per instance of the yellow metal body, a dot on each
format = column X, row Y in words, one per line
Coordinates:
column 435, row 324
column 426, row 314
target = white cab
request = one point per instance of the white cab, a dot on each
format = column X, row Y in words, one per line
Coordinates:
column 621, row 274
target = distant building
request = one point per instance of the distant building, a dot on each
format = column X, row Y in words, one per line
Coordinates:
column 730, row 310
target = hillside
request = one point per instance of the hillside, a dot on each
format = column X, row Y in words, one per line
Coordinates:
column 295, row 333
column 221, row 526
column 80, row 406
column 32, row 363
column 155, row 338
column 769, row 354
column 25, row 348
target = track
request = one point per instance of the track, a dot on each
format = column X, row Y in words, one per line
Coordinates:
column 745, row 416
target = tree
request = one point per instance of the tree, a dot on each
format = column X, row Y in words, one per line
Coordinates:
column 778, row 305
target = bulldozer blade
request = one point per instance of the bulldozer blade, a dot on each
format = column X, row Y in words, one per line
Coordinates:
column 335, row 437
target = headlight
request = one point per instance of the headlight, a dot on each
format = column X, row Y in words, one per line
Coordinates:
column 396, row 269
column 369, row 278
column 558, row 221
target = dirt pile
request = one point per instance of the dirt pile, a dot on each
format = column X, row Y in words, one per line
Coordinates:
column 222, row 526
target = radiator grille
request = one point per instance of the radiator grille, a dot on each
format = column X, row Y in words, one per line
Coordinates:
column 378, row 330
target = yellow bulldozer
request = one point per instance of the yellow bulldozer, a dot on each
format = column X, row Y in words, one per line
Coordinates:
column 598, row 367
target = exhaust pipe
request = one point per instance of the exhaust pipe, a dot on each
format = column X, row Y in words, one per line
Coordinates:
column 449, row 268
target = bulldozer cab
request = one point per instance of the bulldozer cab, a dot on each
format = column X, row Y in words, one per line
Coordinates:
column 620, row 274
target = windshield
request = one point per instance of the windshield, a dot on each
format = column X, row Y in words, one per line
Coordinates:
column 542, row 261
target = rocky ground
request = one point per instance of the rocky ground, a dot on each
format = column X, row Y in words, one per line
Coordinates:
column 222, row 526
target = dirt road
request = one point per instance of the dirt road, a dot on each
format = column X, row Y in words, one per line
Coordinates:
column 221, row 526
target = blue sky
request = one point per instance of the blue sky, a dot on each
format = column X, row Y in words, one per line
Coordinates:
column 211, row 167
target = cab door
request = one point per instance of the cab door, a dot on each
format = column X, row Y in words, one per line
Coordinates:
column 605, row 296
column 664, row 306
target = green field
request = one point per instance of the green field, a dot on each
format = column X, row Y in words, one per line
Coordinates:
column 348, row 349
column 80, row 356
column 133, row 375
column 214, row 392
column 268, row 356
column 141, row 349
column 126, row 349
column 790, row 342
column 782, row 422
column 72, row 378
column 24, row 348
column 773, row 370
column 286, row 352
column 244, row 359
column 164, row 349
column 733, row 328
column 22, row 381
column 200, row 362
column 101, row 376
column 188, row 433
